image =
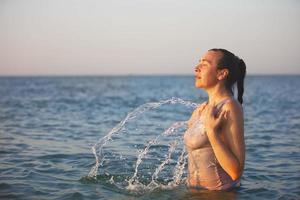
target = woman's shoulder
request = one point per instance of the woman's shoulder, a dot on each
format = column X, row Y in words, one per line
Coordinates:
column 201, row 106
column 233, row 105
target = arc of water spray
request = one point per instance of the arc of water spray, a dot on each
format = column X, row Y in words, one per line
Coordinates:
column 103, row 141
column 162, row 165
column 141, row 109
column 133, row 183
column 178, row 172
column 168, row 131
column 139, row 160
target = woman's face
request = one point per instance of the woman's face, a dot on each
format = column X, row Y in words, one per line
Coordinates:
column 206, row 70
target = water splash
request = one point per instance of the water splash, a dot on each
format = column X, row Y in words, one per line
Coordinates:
column 133, row 183
column 178, row 172
column 139, row 160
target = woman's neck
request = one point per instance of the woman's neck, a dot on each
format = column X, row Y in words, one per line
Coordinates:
column 217, row 94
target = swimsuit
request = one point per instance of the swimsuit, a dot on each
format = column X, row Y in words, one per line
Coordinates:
column 204, row 168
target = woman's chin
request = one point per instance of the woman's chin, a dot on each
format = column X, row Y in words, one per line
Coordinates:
column 197, row 85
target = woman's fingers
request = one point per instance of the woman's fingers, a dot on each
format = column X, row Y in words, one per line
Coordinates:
column 213, row 119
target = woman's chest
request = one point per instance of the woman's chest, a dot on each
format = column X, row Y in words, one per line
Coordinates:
column 195, row 137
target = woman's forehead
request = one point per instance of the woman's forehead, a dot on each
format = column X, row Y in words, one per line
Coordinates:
column 210, row 57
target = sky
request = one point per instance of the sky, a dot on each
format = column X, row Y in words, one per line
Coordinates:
column 149, row 37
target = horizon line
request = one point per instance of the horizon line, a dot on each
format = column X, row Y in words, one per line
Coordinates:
column 128, row 75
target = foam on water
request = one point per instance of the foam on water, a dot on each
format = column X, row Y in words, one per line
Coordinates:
column 133, row 184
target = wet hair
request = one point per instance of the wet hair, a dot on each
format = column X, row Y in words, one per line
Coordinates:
column 237, row 71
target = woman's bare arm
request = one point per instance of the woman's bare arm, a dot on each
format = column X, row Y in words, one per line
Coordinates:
column 231, row 155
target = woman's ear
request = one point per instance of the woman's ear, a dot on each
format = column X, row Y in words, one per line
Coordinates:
column 222, row 74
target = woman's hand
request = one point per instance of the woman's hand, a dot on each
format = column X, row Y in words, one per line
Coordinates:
column 213, row 120
column 230, row 155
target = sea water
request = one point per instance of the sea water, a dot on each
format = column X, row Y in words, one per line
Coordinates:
column 120, row 137
column 134, row 183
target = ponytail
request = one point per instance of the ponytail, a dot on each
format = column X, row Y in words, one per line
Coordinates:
column 240, row 80
column 237, row 71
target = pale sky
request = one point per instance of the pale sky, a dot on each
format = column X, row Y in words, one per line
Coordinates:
column 111, row 37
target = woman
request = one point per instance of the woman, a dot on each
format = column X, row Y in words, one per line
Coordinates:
column 215, row 135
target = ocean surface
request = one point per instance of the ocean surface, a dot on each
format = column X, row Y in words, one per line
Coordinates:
column 49, row 125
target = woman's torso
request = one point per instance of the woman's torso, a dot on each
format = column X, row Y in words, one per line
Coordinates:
column 204, row 170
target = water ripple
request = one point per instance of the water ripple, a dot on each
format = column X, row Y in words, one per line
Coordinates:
column 49, row 124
